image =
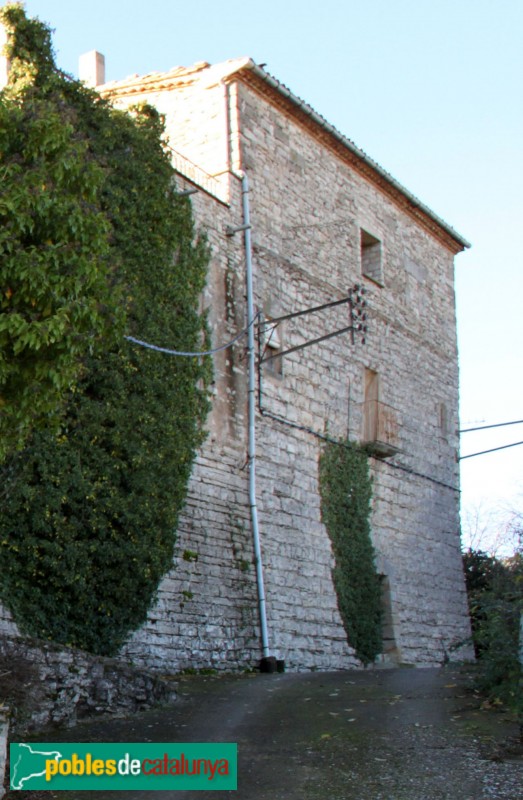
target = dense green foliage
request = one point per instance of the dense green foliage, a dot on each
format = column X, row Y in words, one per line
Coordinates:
column 56, row 299
column 346, row 491
column 89, row 512
column 495, row 592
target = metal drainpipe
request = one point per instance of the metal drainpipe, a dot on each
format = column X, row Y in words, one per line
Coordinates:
column 252, row 418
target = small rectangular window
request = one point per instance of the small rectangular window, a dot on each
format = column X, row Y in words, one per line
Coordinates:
column 371, row 257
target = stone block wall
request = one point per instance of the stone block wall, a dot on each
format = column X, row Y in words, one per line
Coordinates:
column 307, row 213
column 309, row 207
column 206, row 615
column 47, row 685
column 308, row 210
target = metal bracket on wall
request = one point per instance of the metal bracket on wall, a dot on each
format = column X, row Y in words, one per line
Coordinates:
column 187, row 192
column 230, row 231
column 357, row 317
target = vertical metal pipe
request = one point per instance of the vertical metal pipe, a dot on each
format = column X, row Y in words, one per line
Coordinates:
column 252, row 417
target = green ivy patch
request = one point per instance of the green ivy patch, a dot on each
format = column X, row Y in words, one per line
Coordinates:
column 91, row 504
column 57, row 298
column 346, row 491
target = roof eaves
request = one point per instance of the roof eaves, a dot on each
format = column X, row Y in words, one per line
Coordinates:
column 154, row 81
column 359, row 154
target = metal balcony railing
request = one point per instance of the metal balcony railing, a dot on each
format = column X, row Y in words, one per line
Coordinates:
column 380, row 428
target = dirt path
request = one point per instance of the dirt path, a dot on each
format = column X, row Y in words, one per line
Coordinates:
column 400, row 734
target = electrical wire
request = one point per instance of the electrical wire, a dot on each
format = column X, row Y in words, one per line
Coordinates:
column 411, row 471
column 325, row 438
column 498, row 425
column 189, row 354
column 492, row 450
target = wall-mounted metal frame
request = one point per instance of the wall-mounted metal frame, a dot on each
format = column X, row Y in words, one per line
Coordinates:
column 357, row 317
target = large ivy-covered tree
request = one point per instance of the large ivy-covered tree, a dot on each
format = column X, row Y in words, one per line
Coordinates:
column 56, row 297
column 90, row 506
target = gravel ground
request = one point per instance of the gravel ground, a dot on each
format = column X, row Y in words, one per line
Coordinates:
column 401, row 734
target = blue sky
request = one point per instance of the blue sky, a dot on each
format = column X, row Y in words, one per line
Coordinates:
column 430, row 90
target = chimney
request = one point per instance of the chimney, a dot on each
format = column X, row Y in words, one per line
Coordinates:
column 4, row 61
column 91, row 68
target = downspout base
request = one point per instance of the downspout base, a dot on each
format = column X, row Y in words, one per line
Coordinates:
column 270, row 664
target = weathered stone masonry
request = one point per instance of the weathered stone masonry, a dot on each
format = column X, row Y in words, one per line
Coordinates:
column 312, row 195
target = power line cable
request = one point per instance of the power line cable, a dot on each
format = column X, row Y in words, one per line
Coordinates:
column 411, row 471
column 492, row 450
column 498, row 425
column 189, row 354
column 324, row 437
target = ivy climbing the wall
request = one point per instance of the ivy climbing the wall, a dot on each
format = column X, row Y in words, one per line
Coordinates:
column 346, row 491
column 90, row 505
column 57, row 301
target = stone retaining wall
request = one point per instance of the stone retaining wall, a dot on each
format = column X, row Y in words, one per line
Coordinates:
column 48, row 686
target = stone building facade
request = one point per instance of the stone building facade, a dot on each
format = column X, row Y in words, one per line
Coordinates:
column 323, row 218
